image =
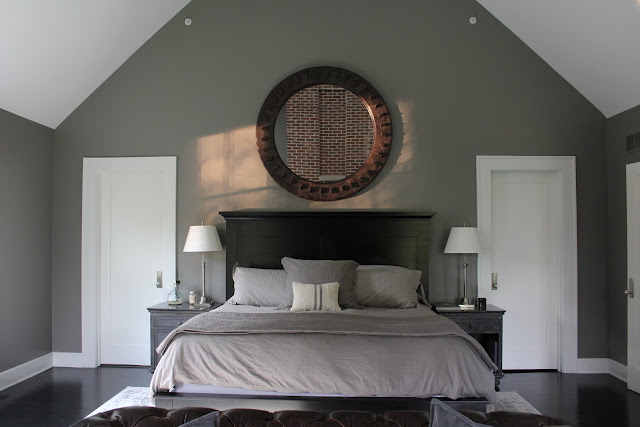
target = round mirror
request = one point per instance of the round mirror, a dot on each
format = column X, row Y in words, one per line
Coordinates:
column 324, row 133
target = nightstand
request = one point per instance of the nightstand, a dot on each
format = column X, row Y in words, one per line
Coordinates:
column 485, row 327
column 165, row 318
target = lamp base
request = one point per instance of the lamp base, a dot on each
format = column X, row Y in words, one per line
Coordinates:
column 204, row 302
column 465, row 301
column 467, row 306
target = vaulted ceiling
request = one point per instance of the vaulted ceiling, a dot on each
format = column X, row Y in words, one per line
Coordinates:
column 593, row 44
column 54, row 54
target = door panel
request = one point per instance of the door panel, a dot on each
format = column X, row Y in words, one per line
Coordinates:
column 633, row 267
column 136, row 238
column 524, row 253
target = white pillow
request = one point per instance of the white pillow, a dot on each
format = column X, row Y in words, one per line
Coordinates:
column 259, row 286
column 387, row 286
column 309, row 297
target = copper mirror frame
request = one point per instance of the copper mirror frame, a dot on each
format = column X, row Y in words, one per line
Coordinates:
column 323, row 191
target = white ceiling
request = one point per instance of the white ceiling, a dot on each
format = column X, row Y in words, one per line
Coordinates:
column 55, row 53
column 593, row 44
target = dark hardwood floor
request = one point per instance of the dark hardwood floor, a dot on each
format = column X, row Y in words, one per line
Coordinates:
column 60, row 396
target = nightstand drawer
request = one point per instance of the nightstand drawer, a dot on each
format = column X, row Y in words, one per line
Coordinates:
column 170, row 321
column 471, row 326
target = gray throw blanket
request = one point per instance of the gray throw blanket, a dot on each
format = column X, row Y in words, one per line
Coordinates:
column 217, row 323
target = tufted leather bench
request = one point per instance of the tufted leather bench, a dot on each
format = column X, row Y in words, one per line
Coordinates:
column 145, row 416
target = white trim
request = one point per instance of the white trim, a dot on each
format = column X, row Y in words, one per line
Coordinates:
column 618, row 370
column 29, row 369
column 565, row 166
column 593, row 366
column 602, row 366
column 67, row 360
column 91, row 175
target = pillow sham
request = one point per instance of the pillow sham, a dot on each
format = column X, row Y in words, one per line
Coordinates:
column 310, row 297
column 387, row 286
column 323, row 271
column 259, row 286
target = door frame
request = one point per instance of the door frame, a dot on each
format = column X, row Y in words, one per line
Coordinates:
column 92, row 169
column 565, row 167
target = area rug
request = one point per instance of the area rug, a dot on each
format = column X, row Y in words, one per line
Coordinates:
column 139, row 396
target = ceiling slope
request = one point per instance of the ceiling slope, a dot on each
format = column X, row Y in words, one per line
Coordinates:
column 54, row 54
column 593, row 44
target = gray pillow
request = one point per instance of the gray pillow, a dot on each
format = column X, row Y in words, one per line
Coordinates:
column 212, row 419
column 259, row 286
column 442, row 415
column 387, row 286
column 323, row 271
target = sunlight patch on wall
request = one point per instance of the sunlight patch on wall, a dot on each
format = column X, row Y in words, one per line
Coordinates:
column 231, row 174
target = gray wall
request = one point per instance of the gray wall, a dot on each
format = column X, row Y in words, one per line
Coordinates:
column 618, row 127
column 26, row 157
column 454, row 90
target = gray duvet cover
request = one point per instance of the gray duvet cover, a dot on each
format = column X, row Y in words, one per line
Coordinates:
column 374, row 352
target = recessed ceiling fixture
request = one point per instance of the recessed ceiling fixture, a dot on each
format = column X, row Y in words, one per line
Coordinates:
column 473, row 19
column 187, row 21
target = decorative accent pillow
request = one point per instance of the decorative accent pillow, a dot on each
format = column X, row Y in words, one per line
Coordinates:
column 212, row 419
column 323, row 271
column 310, row 297
column 387, row 286
column 442, row 415
column 259, row 286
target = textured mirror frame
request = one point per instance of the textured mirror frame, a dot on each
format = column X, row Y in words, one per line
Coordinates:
column 321, row 191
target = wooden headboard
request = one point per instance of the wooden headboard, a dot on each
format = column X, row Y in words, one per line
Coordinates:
column 260, row 239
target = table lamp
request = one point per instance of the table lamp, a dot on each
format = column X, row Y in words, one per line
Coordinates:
column 203, row 238
column 463, row 240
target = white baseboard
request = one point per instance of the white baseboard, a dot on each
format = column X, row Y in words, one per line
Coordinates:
column 602, row 366
column 68, row 360
column 593, row 366
column 618, row 370
column 25, row 371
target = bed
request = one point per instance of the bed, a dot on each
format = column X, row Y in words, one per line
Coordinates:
column 264, row 358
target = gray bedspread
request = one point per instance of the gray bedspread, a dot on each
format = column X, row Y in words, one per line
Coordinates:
column 408, row 352
column 216, row 323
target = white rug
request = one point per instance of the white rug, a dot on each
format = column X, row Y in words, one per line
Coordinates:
column 139, row 396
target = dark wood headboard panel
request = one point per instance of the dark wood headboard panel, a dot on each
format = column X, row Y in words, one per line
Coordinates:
column 260, row 239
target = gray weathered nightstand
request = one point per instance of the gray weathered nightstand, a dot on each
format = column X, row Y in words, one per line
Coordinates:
column 485, row 326
column 165, row 318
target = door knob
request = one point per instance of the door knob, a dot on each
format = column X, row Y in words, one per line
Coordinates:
column 629, row 291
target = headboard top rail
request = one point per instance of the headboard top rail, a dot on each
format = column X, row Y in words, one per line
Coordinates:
column 327, row 213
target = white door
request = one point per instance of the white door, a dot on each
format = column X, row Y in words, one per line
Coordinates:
column 633, row 267
column 524, row 253
column 521, row 266
column 135, row 211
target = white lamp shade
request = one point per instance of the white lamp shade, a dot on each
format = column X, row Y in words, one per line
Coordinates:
column 463, row 240
column 202, row 238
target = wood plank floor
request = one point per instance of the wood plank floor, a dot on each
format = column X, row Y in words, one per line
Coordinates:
column 60, row 396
